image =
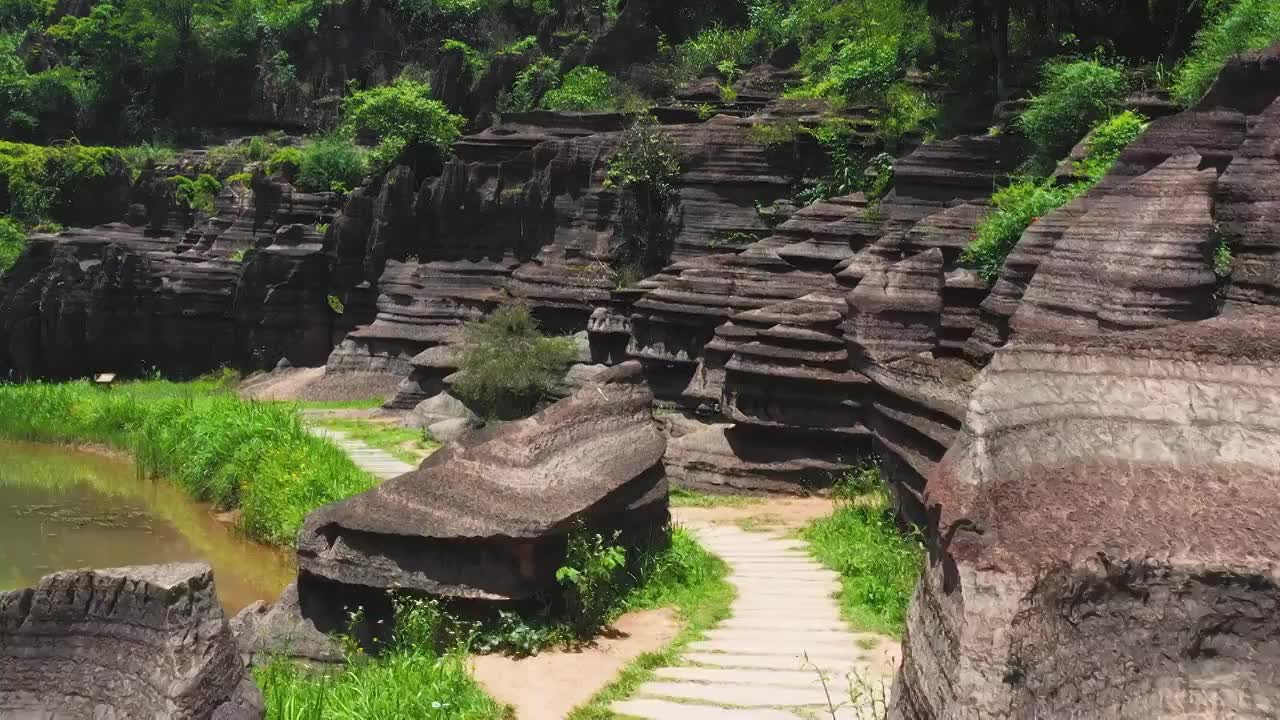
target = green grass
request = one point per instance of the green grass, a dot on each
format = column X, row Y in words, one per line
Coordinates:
column 370, row 403
column 236, row 454
column 878, row 565
column 411, row 680
column 405, row 444
column 685, row 577
column 1236, row 28
column 681, row 497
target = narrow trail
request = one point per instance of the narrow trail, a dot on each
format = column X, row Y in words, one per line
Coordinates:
column 783, row 639
column 381, row 465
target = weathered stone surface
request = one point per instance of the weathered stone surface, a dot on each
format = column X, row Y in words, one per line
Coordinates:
column 283, row 629
column 1124, row 392
column 486, row 518
column 896, row 312
column 735, row 459
column 122, row 643
column 1247, row 209
column 1136, row 259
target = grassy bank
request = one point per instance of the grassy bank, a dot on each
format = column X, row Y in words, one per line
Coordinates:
column 878, row 565
column 253, row 457
column 411, row 680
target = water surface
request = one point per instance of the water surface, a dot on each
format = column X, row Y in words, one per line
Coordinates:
column 62, row 508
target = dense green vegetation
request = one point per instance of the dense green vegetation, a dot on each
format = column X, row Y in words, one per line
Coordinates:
column 1234, row 26
column 878, row 564
column 12, row 240
column 1076, row 94
column 507, row 365
column 254, row 457
column 644, row 168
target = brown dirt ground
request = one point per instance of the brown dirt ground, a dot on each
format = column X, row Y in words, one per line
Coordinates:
column 769, row 513
column 550, row 684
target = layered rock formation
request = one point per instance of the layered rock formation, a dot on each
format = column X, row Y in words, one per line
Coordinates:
column 122, row 643
column 247, row 288
column 1099, row 542
column 486, row 518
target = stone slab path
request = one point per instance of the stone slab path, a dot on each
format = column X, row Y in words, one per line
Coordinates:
column 768, row 661
column 382, row 465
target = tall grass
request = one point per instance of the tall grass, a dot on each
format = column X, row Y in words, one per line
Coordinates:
column 255, row 457
column 1234, row 28
column 878, row 564
column 411, row 680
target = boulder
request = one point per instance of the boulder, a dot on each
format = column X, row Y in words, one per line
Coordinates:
column 446, row 431
column 486, row 518
column 438, row 409
column 127, row 642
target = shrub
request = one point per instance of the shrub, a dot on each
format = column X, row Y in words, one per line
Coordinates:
column 507, row 366
column 41, row 181
column 475, row 62
column 583, row 89
column 531, row 85
column 140, row 156
column 199, row 193
column 878, row 564
column 331, row 163
column 12, row 241
column 717, row 47
column 645, row 166
column 590, row 576
column 1074, row 95
column 286, row 161
column 1237, row 27
column 402, row 112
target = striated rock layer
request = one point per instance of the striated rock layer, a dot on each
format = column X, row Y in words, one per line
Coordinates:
column 1100, row 541
column 128, row 642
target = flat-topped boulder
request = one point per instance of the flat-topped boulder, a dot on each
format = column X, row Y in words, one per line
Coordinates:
column 128, row 642
column 486, row 518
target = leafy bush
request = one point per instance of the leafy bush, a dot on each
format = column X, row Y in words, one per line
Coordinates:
column 331, row 163
column 645, row 166
column 253, row 456
column 41, row 181
column 718, row 47
column 878, row 564
column 531, row 85
column 590, row 577
column 12, row 241
column 1074, row 95
column 583, row 89
column 1237, row 27
column 475, row 62
column 402, row 112
column 139, row 156
column 197, row 193
column 507, row 365
column 286, row 161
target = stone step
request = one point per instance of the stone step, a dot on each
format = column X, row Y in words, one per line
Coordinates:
column 807, row 638
column 747, row 696
column 760, row 623
column 835, row 667
column 652, row 709
column 803, row 679
column 797, row 649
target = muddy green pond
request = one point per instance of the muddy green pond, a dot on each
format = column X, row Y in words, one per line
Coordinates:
column 62, row 509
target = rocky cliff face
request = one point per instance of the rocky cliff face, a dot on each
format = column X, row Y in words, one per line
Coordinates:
column 1099, row 542
column 247, row 287
column 125, row 642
